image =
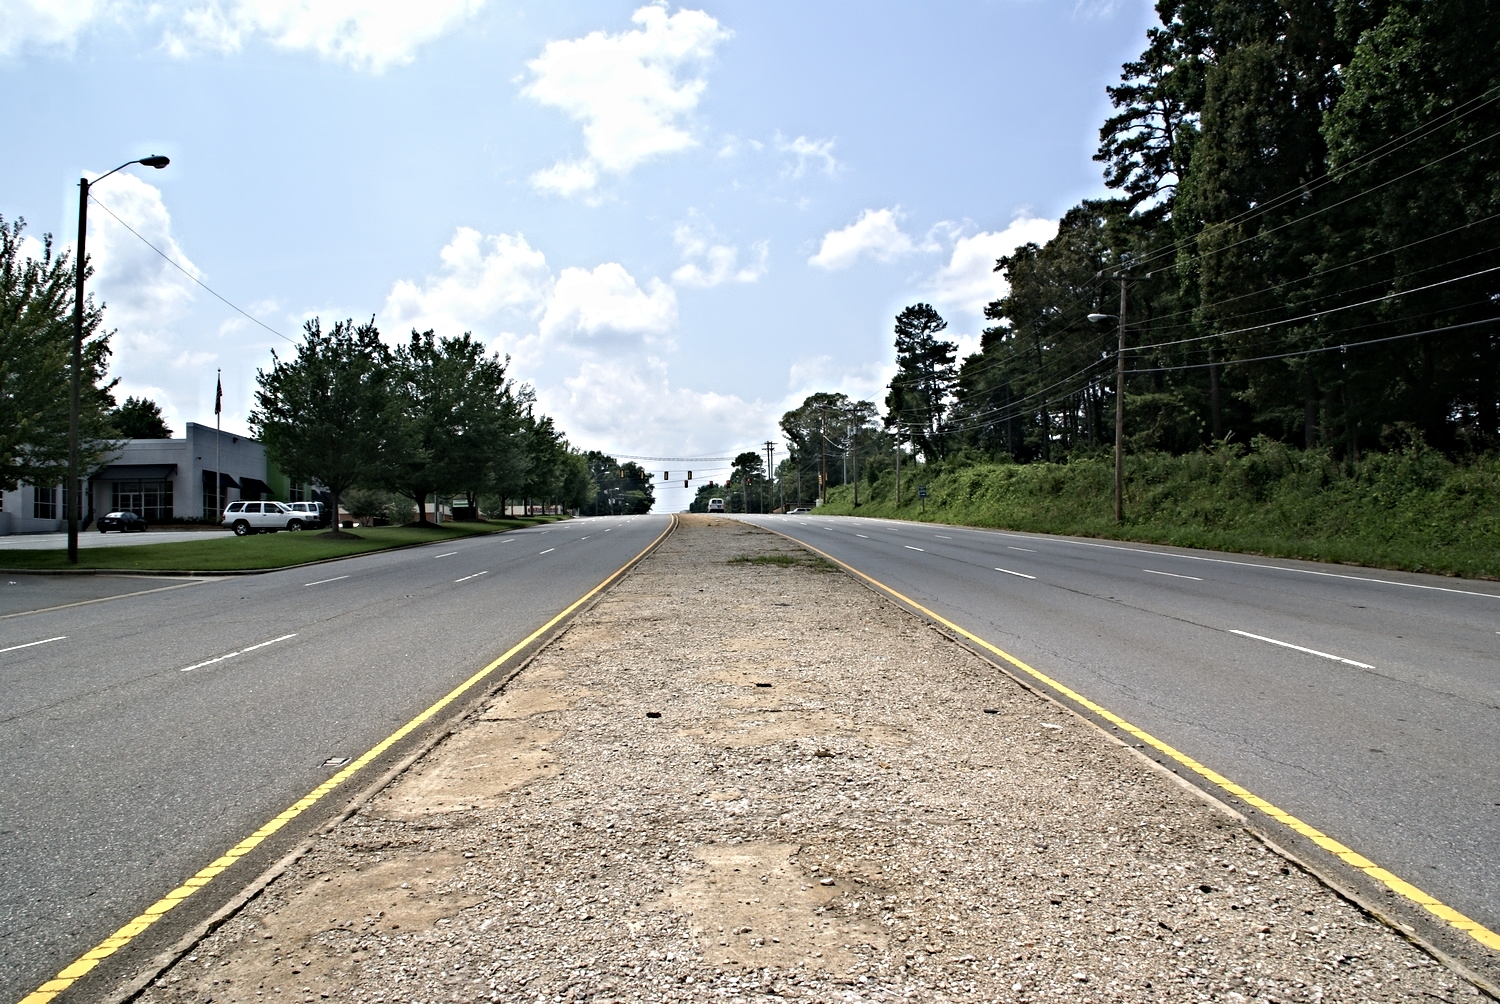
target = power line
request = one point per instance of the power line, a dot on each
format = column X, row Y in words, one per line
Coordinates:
column 168, row 259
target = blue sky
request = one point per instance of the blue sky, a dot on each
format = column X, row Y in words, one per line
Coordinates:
column 678, row 221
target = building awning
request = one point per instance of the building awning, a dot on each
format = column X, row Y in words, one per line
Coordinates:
column 254, row 486
column 136, row 472
column 225, row 481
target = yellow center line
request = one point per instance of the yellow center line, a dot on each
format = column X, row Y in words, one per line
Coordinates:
column 1393, row 882
column 112, row 944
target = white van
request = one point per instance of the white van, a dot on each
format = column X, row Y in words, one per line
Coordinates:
column 715, row 505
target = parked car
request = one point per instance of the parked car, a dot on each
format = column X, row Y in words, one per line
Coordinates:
column 715, row 505
column 799, row 511
column 262, row 517
column 124, row 521
column 315, row 515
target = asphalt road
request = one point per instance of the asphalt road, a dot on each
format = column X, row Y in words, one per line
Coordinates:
column 136, row 749
column 93, row 538
column 1395, row 751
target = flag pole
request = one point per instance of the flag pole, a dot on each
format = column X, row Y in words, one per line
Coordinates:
column 219, row 446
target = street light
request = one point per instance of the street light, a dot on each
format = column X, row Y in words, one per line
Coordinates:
column 79, row 263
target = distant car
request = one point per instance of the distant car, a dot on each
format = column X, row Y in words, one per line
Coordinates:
column 715, row 505
column 798, row 511
column 315, row 515
column 245, row 518
column 124, row 521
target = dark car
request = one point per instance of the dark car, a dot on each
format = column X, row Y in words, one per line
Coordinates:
column 122, row 521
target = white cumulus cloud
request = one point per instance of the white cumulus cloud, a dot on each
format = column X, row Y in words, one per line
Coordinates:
column 45, row 23
column 708, row 263
column 969, row 280
column 602, row 305
column 808, row 153
column 365, row 34
column 877, row 234
column 630, row 91
column 483, row 280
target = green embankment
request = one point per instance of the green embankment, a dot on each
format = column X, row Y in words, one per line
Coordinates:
column 223, row 552
column 1412, row 510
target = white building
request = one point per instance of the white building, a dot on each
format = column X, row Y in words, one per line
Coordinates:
column 160, row 479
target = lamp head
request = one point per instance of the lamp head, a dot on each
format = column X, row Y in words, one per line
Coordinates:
column 156, row 160
column 1096, row 318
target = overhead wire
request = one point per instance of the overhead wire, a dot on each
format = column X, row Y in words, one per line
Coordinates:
column 168, row 259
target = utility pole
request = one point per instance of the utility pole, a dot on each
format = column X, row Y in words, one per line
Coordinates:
column 898, row 467
column 854, row 445
column 822, row 465
column 770, row 470
column 1120, row 410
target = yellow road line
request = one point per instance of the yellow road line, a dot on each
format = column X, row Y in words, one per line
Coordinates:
column 1396, row 884
column 112, row 944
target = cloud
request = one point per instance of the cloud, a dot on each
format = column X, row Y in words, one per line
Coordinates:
column 370, row 35
column 143, row 292
column 877, row 233
column 46, row 23
column 597, row 307
column 710, row 264
column 969, row 280
column 483, row 280
column 627, row 91
column 817, row 153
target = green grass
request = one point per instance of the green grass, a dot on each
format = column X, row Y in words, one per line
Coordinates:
column 1413, row 509
column 227, row 553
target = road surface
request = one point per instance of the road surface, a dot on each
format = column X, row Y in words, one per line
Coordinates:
column 143, row 735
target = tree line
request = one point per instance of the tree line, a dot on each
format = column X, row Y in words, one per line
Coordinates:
column 436, row 417
column 1307, row 229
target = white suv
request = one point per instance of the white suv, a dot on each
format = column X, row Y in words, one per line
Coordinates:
column 312, row 513
column 262, row 517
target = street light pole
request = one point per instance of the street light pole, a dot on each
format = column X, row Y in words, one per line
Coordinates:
column 1119, row 395
column 80, row 263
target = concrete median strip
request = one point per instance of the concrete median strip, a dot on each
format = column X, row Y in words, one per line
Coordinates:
column 888, row 818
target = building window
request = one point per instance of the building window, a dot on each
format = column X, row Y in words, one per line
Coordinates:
column 44, row 503
column 297, row 492
column 151, row 500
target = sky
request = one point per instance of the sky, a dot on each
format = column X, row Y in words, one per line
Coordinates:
column 678, row 221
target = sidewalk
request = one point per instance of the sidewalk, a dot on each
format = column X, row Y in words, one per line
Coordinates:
column 836, row 803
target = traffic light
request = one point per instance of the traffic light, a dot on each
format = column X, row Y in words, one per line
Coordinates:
column 690, row 475
column 666, row 475
column 684, row 484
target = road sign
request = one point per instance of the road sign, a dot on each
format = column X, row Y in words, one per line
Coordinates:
column 921, row 491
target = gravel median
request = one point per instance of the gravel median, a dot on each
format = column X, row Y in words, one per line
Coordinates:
column 741, row 776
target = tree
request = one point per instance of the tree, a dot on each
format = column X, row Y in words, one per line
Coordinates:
column 621, row 489
column 140, row 418
column 36, row 338
column 925, row 375
column 818, row 433
column 327, row 415
column 455, row 404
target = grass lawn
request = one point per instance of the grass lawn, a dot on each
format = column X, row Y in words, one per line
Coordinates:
column 227, row 553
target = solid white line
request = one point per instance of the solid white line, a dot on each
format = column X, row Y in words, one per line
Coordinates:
column 1172, row 574
column 1021, row 575
column 273, row 641
column 321, row 581
column 1299, row 648
column 31, row 643
column 910, row 548
column 445, row 554
column 1028, row 550
column 476, row 575
column 548, row 551
column 231, row 655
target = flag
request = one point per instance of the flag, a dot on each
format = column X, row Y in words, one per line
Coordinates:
column 219, row 396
